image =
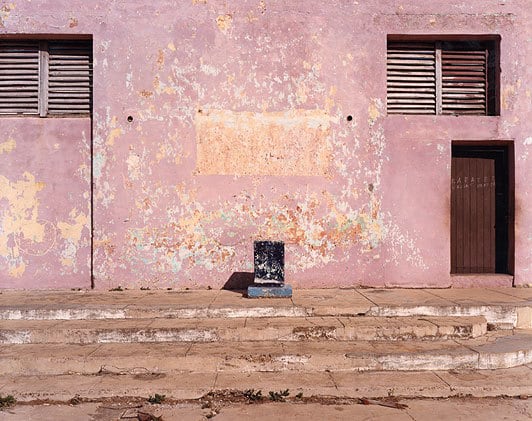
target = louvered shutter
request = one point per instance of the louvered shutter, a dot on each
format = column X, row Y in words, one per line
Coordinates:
column 464, row 82
column 411, row 78
column 70, row 77
column 19, row 77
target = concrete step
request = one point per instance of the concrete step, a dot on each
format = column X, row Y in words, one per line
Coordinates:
column 493, row 351
column 502, row 307
column 185, row 385
column 241, row 329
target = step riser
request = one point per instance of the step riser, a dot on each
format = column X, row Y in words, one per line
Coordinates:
column 277, row 363
column 505, row 317
column 151, row 312
column 318, row 333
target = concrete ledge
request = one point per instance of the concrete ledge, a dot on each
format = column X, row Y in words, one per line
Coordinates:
column 511, row 307
column 505, row 315
column 305, row 356
column 240, row 329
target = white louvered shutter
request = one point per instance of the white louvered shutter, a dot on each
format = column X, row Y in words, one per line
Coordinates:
column 19, row 77
column 464, row 82
column 70, row 77
column 411, row 78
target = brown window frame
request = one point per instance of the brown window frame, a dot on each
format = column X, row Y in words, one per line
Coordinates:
column 443, row 75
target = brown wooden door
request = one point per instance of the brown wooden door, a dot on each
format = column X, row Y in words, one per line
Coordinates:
column 473, row 215
column 480, row 216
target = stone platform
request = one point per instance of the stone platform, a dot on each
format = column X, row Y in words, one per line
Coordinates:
column 345, row 343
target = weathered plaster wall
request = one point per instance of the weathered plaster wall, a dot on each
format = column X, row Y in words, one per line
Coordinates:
column 44, row 203
column 240, row 132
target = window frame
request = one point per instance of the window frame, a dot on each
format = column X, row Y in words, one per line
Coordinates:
column 447, row 44
column 76, row 93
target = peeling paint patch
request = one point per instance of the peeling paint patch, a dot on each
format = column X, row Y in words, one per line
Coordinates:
column 507, row 93
column 5, row 11
column 224, row 22
column 8, row 146
column 72, row 231
column 133, row 166
column 374, row 111
column 20, row 224
column 98, row 164
column 23, row 207
column 113, row 135
column 160, row 59
column 294, row 142
column 18, row 270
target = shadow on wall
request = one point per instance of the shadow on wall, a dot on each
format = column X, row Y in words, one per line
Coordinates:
column 239, row 281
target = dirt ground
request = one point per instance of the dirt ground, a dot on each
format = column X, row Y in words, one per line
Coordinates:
column 235, row 405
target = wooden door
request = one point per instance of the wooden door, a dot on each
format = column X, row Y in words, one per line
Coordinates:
column 480, row 214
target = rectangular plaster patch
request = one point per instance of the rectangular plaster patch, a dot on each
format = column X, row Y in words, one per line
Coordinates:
column 294, row 142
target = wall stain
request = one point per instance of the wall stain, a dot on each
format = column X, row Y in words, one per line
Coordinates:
column 8, row 146
column 224, row 22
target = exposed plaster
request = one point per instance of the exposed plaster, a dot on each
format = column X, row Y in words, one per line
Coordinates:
column 287, row 143
column 8, row 146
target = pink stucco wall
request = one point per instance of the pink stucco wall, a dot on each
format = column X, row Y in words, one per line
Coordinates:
column 240, row 132
column 45, row 203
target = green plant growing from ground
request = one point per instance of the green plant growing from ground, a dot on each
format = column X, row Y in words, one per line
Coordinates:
column 6, row 402
column 279, row 396
column 76, row 400
column 252, row 395
column 156, row 399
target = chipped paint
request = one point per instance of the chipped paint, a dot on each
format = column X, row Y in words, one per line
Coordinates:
column 5, row 12
column 72, row 231
column 23, row 207
column 46, row 170
column 373, row 111
column 20, row 223
column 293, row 143
column 224, row 22
column 8, row 146
column 113, row 135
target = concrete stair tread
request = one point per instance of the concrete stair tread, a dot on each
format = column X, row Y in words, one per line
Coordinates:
column 509, row 306
column 432, row 384
column 496, row 350
column 294, row 328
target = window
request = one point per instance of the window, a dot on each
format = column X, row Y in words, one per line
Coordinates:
column 442, row 77
column 45, row 78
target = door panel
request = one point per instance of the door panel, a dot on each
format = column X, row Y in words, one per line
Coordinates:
column 479, row 209
column 473, row 215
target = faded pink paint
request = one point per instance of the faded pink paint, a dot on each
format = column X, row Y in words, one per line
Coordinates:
column 377, row 213
column 45, row 203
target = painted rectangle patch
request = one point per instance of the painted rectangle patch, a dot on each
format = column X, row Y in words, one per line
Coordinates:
column 291, row 143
